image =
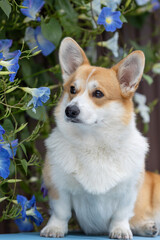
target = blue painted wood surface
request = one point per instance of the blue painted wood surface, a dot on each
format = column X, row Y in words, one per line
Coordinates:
column 74, row 236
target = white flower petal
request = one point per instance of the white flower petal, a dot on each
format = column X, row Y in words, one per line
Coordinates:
column 96, row 7
column 142, row 108
column 142, row 2
column 140, row 99
column 111, row 44
column 113, row 4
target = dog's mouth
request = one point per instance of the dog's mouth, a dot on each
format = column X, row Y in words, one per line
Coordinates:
column 74, row 120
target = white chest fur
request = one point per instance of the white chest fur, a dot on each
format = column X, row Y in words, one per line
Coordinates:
column 97, row 169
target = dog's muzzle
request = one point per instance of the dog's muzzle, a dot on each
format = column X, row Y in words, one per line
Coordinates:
column 72, row 112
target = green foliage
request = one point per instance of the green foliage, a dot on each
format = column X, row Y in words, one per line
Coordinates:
column 49, row 29
column 6, row 7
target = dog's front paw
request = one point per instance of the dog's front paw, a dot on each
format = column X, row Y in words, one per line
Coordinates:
column 121, row 233
column 52, row 231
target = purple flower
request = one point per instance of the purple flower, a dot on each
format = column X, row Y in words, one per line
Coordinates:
column 29, row 213
column 110, row 20
column 33, row 7
column 155, row 5
column 44, row 190
column 34, row 37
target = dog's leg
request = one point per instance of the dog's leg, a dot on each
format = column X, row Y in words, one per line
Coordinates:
column 120, row 230
column 119, row 224
column 57, row 225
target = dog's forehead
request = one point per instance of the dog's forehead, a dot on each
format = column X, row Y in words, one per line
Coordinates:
column 93, row 77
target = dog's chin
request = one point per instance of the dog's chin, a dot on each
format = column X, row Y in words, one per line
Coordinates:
column 76, row 120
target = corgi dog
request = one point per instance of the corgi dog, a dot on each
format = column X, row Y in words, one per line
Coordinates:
column 95, row 161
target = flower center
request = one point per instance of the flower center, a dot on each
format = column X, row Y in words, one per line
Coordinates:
column 108, row 20
column 30, row 212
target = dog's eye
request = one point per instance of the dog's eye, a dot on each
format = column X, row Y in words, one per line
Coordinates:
column 72, row 90
column 98, row 94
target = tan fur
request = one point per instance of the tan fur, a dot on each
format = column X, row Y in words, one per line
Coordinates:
column 148, row 200
column 52, row 191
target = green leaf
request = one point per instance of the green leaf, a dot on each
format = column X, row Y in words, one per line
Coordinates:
column 145, row 128
column 39, row 115
column 128, row 2
column 11, row 89
column 13, row 180
column 3, row 198
column 27, row 70
column 123, row 19
column 6, row 7
column 156, row 68
column 24, row 149
column 153, row 104
column 7, row 125
column 52, row 30
column 21, row 127
column 49, row 2
column 68, row 18
column 148, row 79
column 24, row 165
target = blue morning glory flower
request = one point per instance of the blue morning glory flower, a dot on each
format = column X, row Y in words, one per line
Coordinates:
column 12, row 65
column 30, row 39
column 5, row 45
column 5, row 155
column 34, row 37
column 29, row 209
column 110, row 20
column 33, row 7
column 2, row 131
column 6, row 146
column 40, row 96
column 24, row 225
column 155, row 5
column 4, row 163
column 1, row 55
column 45, row 45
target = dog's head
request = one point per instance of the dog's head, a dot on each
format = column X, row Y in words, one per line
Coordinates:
column 95, row 96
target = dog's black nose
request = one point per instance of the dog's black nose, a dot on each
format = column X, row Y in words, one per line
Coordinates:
column 72, row 111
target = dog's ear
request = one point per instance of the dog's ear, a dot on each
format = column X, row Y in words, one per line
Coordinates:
column 129, row 72
column 71, row 56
